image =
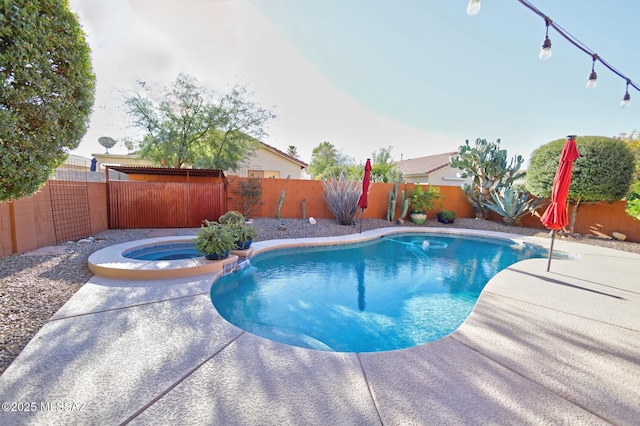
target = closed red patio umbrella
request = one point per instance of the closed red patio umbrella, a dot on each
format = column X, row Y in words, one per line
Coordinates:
column 363, row 201
column 555, row 217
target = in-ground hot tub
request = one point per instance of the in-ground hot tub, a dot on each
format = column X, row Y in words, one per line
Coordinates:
column 113, row 261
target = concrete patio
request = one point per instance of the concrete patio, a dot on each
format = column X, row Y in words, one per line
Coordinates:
column 540, row 347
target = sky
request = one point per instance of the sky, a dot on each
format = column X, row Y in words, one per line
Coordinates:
column 420, row 76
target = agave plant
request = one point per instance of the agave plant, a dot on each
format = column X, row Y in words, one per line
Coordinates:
column 512, row 204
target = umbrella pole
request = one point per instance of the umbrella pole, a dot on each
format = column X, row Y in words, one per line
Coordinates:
column 553, row 237
column 361, row 214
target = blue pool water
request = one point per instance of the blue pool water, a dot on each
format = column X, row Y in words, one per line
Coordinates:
column 391, row 293
column 164, row 252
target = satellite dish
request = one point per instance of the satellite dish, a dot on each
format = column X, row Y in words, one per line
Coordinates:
column 107, row 142
column 129, row 146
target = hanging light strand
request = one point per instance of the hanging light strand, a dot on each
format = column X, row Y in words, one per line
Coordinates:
column 592, row 81
column 577, row 43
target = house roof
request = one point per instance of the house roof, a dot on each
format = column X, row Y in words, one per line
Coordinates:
column 425, row 165
column 276, row 151
column 270, row 148
column 166, row 171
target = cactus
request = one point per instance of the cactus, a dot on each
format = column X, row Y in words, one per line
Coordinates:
column 304, row 208
column 405, row 205
column 280, row 202
column 393, row 199
column 487, row 165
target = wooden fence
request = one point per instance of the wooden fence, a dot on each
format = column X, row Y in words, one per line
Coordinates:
column 135, row 204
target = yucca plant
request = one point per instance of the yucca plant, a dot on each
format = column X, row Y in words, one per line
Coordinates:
column 512, row 204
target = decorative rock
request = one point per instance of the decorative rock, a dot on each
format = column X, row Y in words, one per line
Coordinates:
column 312, row 221
column 619, row 236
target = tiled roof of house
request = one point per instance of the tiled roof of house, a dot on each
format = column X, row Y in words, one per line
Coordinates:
column 425, row 165
column 285, row 155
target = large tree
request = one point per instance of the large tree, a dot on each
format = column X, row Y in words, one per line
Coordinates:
column 383, row 168
column 328, row 162
column 603, row 173
column 188, row 125
column 46, row 91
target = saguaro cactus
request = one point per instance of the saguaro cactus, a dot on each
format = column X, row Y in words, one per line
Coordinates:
column 280, row 202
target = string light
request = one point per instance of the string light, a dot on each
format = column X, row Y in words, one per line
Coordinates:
column 473, row 7
column 626, row 99
column 593, row 77
column 545, row 52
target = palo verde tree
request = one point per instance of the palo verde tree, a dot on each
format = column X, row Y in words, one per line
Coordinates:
column 633, row 142
column 46, row 91
column 487, row 165
column 187, row 125
column 633, row 197
column 383, row 168
column 603, row 173
column 633, row 201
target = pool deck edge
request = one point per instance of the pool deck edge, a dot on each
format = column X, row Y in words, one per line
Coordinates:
column 540, row 347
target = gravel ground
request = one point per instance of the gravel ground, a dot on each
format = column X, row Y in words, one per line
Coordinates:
column 34, row 287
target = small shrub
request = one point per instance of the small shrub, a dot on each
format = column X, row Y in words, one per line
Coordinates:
column 214, row 238
column 231, row 217
column 446, row 216
column 249, row 194
column 342, row 197
column 422, row 200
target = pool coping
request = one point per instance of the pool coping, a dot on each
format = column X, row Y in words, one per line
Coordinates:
column 111, row 261
column 540, row 347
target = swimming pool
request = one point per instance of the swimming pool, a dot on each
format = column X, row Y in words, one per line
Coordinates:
column 171, row 251
column 393, row 292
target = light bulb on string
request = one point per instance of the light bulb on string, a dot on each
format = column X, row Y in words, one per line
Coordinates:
column 626, row 99
column 545, row 50
column 593, row 77
column 473, row 7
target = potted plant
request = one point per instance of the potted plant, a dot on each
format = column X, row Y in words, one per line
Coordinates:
column 231, row 217
column 446, row 216
column 421, row 201
column 214, row 240
column 243, row 233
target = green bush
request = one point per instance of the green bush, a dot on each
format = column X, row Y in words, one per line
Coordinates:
column 231, row 217
column 633, row 201
column 422, row 200
column 602, row 173
column 215, row 238
column 47, row 91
